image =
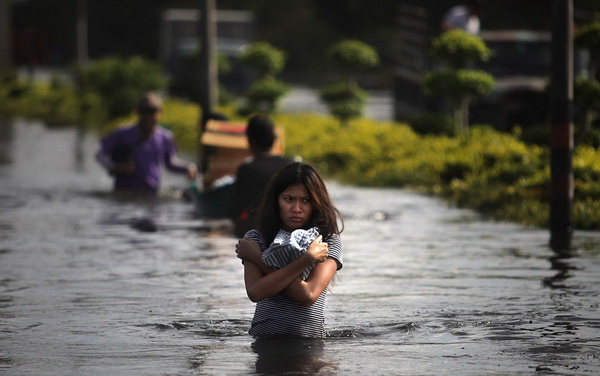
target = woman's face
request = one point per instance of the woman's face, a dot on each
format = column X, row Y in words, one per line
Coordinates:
column 295, row 207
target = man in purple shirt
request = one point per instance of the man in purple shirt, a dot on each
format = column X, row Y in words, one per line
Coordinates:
column 133, row 155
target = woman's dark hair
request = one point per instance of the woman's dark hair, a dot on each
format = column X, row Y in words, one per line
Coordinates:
column 324, row 215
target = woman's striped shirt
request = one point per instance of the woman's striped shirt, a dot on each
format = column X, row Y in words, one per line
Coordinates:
column 286, row 247
column 279, row 315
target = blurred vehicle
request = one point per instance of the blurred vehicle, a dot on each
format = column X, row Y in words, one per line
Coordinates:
column 521, row 65
column 180, row 48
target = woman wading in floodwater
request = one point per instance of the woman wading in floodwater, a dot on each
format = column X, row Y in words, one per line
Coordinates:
column 296, row 198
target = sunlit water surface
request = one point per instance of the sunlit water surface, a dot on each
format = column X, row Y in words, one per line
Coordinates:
column 426, row 289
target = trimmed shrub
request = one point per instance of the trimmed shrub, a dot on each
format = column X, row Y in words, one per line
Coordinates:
column 345, row 99
column 458, row 48
column 264, row 58
column 265, row 93
column 353, row 55
column 120, row 82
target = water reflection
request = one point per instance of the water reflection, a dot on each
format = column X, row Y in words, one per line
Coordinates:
column 6, row 138
column 426, row 288
column 563, row 271
column 79, row 152
column 303, row 356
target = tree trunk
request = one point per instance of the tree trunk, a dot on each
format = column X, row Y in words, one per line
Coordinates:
column 464, row 109
column 6, row 46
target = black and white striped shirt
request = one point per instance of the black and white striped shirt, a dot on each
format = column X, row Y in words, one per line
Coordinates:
column 279, row 315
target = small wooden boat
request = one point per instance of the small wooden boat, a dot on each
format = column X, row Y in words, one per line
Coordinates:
column 224, row 147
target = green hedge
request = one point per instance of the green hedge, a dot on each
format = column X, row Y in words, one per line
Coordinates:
column 492, row 172
column 56, row 101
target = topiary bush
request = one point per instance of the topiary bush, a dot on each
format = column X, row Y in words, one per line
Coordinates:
column 588, row 37
column 458, row 48
column 120, row 82
column 459, row 83
column 587, row 90
column 345, row 99
column 341, row 92
column 350, row 56
column 264, row 58
column 264, row 96
column 267, row 61
column 587, row 98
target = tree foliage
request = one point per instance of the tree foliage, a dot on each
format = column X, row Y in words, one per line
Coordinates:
column 265, row 93
column 120, row 82
column 457, row 84
column 458, row 48
column 345, row 99
column 587, row 89
column 588, row 36
column 353, row 56
column 264, row 58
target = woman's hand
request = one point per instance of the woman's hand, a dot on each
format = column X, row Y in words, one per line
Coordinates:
column 318, row 250
column 248, row 250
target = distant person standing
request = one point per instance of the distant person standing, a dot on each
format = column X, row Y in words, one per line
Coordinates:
column 464, row 17
column 253, row 175
column 133, row 155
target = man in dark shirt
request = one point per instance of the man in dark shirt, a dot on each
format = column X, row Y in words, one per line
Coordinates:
column 252, row 176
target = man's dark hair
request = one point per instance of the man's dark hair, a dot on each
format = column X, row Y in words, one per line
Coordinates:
column 476, row 4
column 261, row 132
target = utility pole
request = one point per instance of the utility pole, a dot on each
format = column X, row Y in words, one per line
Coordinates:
column 5, row 36
column 208, row 81
column 208, row 65
column 82, row 33
column 561, row 139
column 81, row 43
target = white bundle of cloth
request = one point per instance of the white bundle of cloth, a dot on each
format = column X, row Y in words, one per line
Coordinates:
column 286, row 247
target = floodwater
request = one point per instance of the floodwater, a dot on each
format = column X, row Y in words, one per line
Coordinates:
column 426, row 289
